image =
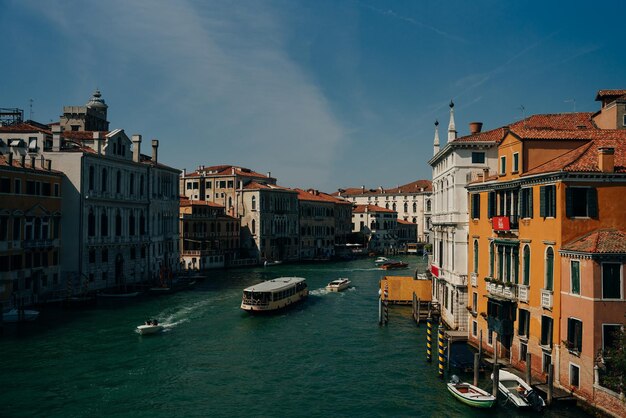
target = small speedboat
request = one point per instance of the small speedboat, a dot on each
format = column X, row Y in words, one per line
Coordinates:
column 338, row 285
column 381, row 260
column 19, row 315
column 470, row 394
column 150, row 327
column 518, row 392
column 269, row 263
column 394, row 265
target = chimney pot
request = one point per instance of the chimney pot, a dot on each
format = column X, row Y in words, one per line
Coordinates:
column 23, row 160
column 10, row 159
column 485, row 174
column 56, row 138
column 155, row 151
column 136, row 147
column 97, row 139
column 475, row 127
column 269, row 174
column 606, row 159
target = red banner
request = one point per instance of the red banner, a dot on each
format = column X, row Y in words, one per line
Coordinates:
column 500, row 223
column 434, row 270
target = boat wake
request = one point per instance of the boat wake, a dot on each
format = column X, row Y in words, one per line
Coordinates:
column 180, row 316
column 319, row 292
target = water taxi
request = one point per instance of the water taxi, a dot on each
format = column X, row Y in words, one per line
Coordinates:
column 518, row 392
column 274, row 294
column 338, row 285
column 394, row 265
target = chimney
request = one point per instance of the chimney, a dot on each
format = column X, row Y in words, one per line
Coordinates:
column 155, row 151
column 184, row 172
column 32, row 162
column 269, row 174
column 56, row 138
column 23, row 160
column 362, row 189
column 485, row 174
column 606, row 159
column 10, row 159
column 97, row 141
column 136, row 147
column 49, row 165
column 475, row 127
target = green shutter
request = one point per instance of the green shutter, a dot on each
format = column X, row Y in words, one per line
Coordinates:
column 592, row 202
column 569, row 202
column 575, row 277
column 490, row 205
column 550, row 269
column 530, row 203
column 526, row 265
column 542, row 201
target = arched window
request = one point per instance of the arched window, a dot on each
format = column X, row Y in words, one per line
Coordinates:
column 230, row 202
column 253, row 202
column 428, row 205
column 92, row 177
column 476, row 256
column 104, row 180
column 526, row 277
column 118, row 224
column 406, row 207
column 414, row 207
column 104, row 225
column 118, row 182
column 549, row 268
column 91, row 224
column 393, row 206
column 387, row 205
column 254, row 226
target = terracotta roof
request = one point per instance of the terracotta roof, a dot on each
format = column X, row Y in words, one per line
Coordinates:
column 317, row 196
column 599, row 241
column 24, row 128
column 545, row 122
column 253, row 185
column 81, row 135
column 413, row 187
column 371, row 208
column 609, row 93
column 226, row 170
column 402, row 221
column 585, row 158
column 186, row 202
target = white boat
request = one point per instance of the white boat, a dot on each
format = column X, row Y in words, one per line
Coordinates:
column 470, row 394
column 16, row 315
column 269, row 263
column 149, row 327
column 518, row 392
column 381, row 260
column 274, row 294
column 338, row 285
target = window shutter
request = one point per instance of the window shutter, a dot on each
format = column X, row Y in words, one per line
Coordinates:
column 542, row 201
column 490, row 205
column 592, row 202
column 530, row 203
column 569, row 202
column 570, row 332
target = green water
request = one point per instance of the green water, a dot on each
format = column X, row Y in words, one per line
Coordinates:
column 325, row 357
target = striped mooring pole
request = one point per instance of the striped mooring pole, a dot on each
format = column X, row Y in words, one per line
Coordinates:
column 440, row 349
column 429, row 338
column 386, row 303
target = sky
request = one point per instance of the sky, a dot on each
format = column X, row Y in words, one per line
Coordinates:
column 323, row 94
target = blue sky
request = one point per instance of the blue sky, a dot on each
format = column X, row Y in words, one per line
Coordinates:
column 323, row 94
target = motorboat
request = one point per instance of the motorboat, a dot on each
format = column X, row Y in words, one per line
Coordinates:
column 151, row 326
column 518, row 392
column 19, row 315
column 469, row 394
column 381, row 260
column 270, row 263
column 338, row 285
column 394, row 265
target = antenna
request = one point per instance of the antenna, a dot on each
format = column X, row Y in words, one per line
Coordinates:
column 571, row 101
column 30, row 108
column 522, row 109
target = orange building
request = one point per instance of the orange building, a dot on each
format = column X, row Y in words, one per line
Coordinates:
column 559, row 177
column 30, row 233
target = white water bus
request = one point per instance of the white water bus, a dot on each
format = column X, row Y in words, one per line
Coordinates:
column 274, row 294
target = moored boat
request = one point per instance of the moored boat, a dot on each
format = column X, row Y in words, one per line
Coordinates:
column 274, row 294
column 470, row 394
column 518, row 392
column 338, row 285
column 20, row 315
column 381, row 260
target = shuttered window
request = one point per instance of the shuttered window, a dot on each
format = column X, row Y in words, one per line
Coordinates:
column 575, row 277
column 491, row 204
column 476, row 206
column 549, row 268
column 526, row 265
column 547, row 201
column 581, row 202
column 574, row 335
column 526, row 203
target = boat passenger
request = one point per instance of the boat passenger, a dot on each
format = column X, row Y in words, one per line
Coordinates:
column 155, row 322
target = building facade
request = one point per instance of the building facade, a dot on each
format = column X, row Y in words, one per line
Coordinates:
column 409, row 201
column 378, row 226
column 30, row 230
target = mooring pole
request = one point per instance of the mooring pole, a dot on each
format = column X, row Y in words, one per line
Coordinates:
column 528, row 368
column 440, row 351
column 480, row 345
column 448, row 354
column 550, row 383
column 380, row 307
column 496, row 379
column 429, row 330
column 386, row 303
column 476, row 367
column 419, row 304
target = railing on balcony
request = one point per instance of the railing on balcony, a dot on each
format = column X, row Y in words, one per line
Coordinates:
column 546, row 298
column 500, row 290
column 522, row 292
column 474, row 279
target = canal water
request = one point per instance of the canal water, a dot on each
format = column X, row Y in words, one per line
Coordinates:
column 325, row 357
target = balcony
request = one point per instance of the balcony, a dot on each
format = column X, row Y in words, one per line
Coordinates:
column 522, row 292
column 502, row 291
column 546, row 298
column 474, row 279
column 37, row 243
